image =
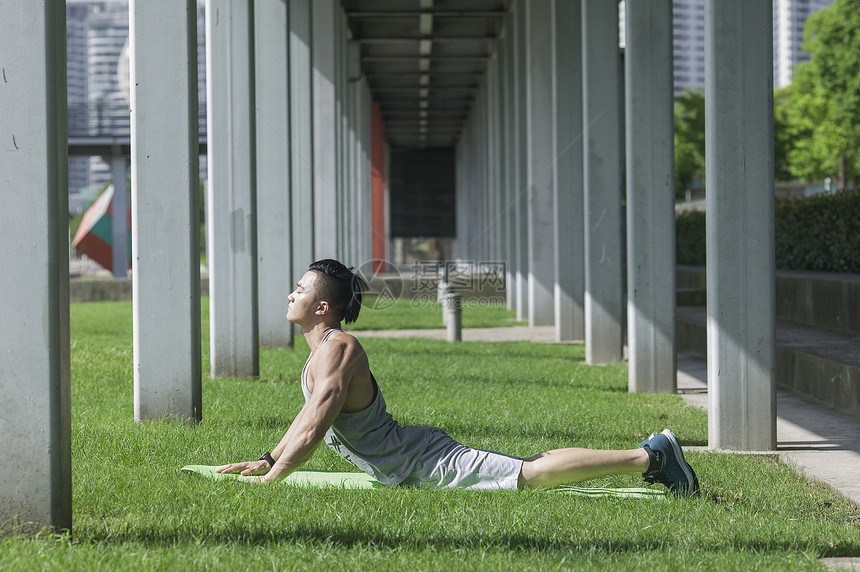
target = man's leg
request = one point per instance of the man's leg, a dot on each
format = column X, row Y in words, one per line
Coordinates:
column 571, row 465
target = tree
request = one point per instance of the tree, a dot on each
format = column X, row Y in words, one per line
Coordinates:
column 823, row 103
column 689, row 140
column 783, row 137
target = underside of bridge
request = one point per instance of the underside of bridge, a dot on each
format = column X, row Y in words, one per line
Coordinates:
column 424, row 61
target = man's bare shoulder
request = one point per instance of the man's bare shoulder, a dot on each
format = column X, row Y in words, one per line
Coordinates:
column 339, row 351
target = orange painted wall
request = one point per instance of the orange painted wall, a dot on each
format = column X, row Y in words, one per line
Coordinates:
column 378, row 183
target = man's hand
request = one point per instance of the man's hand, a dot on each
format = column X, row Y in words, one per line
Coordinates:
column 246, row 468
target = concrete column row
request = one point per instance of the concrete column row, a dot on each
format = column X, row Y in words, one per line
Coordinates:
column 324, row 106
column 289, row 180
column 520, row 181
column 541, row 184
column 296, row 186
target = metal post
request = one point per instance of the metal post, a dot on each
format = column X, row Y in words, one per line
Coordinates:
column 453, row 310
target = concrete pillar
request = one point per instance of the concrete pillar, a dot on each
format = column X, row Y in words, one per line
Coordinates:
column 466, row 167
column 602, row 132
column 569, row 253
column 232, row 229
column 35, row 416
column 541, row 160
column 366, row 222
column 119, row 217
column 482, row 199
column 740, row 222
column 463, row 174
column 301, row 137
column 494, row 219
column 650, row 197
column 507, row 188
column 343, row 199
column 349, row 239
column 325, row 129
column 274, row 244
column 521, row 159
column 165, row 195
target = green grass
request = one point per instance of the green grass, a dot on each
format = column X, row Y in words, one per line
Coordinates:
column 134, row 510
column 415, row 313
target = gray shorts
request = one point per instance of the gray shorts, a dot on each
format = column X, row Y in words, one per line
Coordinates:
column 448, row 464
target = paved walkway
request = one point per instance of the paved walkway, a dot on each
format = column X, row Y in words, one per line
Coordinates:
column 819, row 442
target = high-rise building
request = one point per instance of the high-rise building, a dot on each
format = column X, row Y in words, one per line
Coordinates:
column 789, row 19
column 78, row 95
column 688, row 38
column 97, row 80
column 688, row 44
column 107, row 34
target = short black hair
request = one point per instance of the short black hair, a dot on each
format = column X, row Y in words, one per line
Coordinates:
column 341, row 287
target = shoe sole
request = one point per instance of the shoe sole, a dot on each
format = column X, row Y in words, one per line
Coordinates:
column 692, row 481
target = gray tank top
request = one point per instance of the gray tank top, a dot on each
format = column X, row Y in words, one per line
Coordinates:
column 371, row 439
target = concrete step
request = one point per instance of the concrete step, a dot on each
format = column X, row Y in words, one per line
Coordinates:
column 826, row 300
column 821, row 365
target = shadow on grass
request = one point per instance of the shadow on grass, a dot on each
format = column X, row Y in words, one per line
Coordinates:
column 350, row 537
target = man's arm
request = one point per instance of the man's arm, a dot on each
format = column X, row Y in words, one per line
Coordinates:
column 332, row 370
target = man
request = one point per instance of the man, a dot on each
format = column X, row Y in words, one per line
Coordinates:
column 344, row 407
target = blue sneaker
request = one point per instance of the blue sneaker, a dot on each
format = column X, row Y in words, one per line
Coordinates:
column 671, row 468
column 646, row 441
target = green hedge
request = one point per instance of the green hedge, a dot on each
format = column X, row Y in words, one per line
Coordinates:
column 816, row 233
column 690, row 243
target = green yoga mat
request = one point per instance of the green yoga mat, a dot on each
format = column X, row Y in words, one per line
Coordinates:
column 302, row 477
column 322, row 479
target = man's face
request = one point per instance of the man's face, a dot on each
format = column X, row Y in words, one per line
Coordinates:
column 303, row 300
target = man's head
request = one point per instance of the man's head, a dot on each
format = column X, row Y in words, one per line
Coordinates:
column 335, row 289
